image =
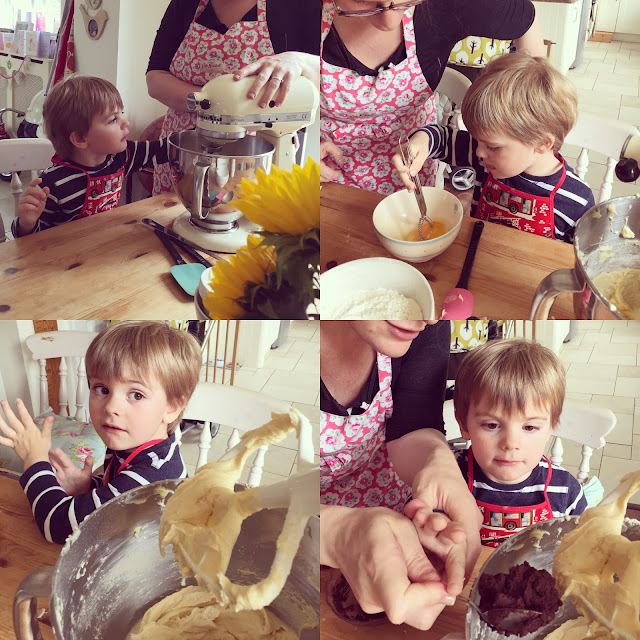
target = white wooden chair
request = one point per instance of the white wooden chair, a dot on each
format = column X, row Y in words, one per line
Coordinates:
column 602, row 135
column 584, row 423
column 24, row 154
column 240, row 409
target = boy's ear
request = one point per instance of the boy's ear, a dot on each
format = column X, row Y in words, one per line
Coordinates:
column 547, row 144
column 174, row 411
column 77, row 140
column 463, row 430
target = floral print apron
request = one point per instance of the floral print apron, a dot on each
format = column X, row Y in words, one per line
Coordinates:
column 514, row 208
column 355, row 468
column 366, row 116
column 205, row 54
column 500, row 522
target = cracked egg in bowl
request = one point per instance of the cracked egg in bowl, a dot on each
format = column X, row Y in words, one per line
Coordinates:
column 396, row 223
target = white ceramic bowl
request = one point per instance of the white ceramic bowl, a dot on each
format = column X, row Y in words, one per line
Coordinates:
column 398, row 214
column 375, row 273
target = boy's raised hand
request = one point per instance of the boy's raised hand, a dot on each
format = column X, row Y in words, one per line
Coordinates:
column 72, row 479
column 419, row 145
column 32, row 204
column 23, row 436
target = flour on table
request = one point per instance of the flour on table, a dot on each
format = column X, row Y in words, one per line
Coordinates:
column 374, row 304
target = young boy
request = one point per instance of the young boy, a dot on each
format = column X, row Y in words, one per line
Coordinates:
column 517, row 112
column 141, row 376
column 508, row 399
column 84, row 119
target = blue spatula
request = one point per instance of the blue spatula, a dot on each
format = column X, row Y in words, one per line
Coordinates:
column 187, row 275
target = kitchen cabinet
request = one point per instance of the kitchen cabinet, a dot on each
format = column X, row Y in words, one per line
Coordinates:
column 628, row 17
column 560, row 22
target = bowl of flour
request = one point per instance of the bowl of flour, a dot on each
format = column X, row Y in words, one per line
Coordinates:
column 375, row 289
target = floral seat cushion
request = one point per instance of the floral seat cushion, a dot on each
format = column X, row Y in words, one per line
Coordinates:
column 77, row 439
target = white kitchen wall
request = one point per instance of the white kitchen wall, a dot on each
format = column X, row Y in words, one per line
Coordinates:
column 121, row 54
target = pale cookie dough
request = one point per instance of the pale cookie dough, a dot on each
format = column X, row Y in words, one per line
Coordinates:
column 204, row 516
column 586, row 562
column 193, row 614
column 621, row 287
column 576, row 630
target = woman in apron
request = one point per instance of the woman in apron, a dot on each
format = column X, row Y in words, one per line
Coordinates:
column 380, row 64
column 199, row 40
column 382, row 389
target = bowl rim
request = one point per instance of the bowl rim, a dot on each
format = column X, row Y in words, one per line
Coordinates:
column 420, row 243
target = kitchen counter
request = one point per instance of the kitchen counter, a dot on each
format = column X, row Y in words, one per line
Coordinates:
column 22, row 550
column 106, row 266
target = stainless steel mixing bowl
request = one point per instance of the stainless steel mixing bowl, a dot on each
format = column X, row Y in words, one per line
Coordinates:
column 208, row 171
column 595, row 231
column 111, row 571
column 526, row 547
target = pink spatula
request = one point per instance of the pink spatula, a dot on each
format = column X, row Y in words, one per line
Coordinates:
column 458, row 302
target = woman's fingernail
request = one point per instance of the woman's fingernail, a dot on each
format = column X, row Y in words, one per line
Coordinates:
column 251, row 95
column 448, row 601
column 263, row 105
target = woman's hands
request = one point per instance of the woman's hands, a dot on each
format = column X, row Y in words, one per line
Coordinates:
column 72, row 479
column 419, row 146
column 23, row 436
column 381, row 557
column 330, row 161
column 277, row 74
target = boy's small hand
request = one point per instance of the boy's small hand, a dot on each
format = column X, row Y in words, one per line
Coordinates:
column 23, row 436
column 443, row 538
column 32, row 205
column 72, row 479
column 419, row 145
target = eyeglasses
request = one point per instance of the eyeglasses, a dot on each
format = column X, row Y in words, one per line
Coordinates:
column 372, row 12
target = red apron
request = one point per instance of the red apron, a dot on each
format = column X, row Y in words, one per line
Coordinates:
column 205, row 54
column 534, row 214
column 355, row 468
column 128, row 459
column 366, row 116
column 103, row 192
column 500, row 522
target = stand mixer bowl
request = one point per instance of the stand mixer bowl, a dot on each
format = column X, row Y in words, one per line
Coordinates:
column 207, row 171
column 599, row 248
column 111, row 571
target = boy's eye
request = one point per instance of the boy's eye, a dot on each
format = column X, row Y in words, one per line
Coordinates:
column 492, row 148
column 531, row 427
column 136, row 395
column 490, row 425
column 100, row 389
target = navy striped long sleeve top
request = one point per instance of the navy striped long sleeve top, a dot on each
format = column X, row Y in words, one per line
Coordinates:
column 58, row 514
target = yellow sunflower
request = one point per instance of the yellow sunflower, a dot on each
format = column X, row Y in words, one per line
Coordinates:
column 283, row 201
column 250, row 263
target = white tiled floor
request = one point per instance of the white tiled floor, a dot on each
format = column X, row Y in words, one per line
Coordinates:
column 603, row 368
column 608, row 84
column 291, row 372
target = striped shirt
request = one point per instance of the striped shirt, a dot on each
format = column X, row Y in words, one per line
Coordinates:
column 68, row 186
column 58, row 514
column 571, row 201
column 564, row 491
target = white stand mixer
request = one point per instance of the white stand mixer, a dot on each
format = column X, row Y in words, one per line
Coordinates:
column 211, row 161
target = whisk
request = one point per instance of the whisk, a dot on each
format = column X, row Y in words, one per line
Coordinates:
column 408, row 158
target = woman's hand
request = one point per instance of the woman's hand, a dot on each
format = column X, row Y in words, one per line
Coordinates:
column 72, row 479
column 330, row 161
column 445, row 541
column 277, row 74
column 379, row 553
column 419, row 146
column 23, row 436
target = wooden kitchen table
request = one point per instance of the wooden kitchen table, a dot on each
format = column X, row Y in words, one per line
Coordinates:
column 22, row 550
column 508, row 267
column 107, row 266
column 452, row 619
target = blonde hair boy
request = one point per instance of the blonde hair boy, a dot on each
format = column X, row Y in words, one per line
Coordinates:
column 71, row 106
column 508, row 398
column 517, row 114
column 524, row 97
column 147, row 349
column 141, row 376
